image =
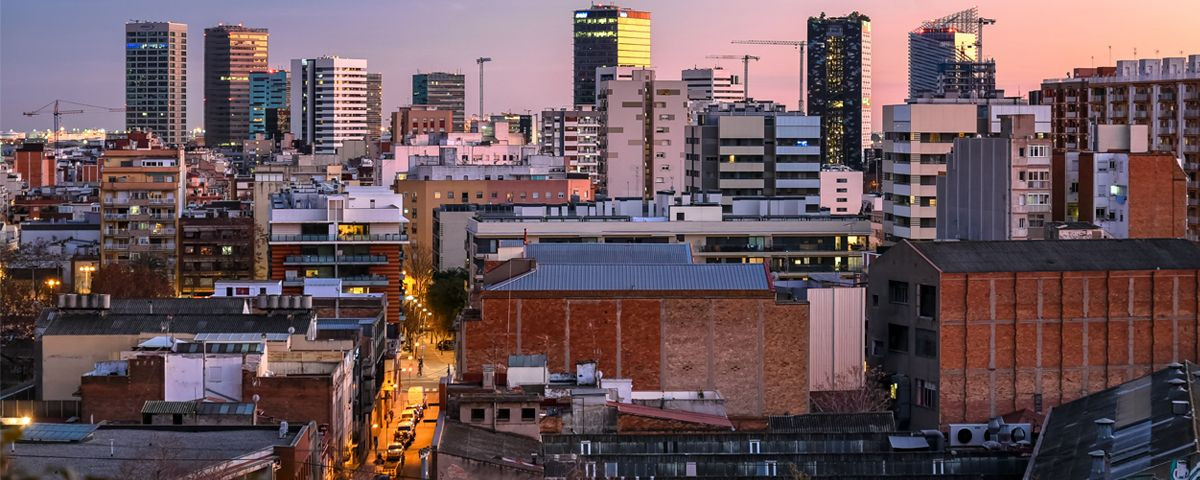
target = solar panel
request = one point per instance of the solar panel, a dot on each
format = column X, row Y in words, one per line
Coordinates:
column 57, row 432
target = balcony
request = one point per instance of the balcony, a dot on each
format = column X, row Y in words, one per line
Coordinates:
column 1191, row 131
column 1191, row 112
column 116, row 216
column 335, row 259
column 365, row 281
column 380, row 238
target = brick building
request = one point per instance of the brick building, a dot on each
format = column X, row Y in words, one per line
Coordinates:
column 665, row 326
column 971, row 330
column 35, row 165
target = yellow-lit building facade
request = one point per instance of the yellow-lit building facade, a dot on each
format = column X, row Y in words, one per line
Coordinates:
column 607, row 36
column 141, row 196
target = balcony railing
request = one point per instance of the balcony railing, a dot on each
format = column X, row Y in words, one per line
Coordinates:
column 363, row 280
column 388, row 237
column 332, row 259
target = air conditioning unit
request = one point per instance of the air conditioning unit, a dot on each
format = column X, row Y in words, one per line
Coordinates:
column 967, row 434
column 1012, row 433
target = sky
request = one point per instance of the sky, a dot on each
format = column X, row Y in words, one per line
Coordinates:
column 74, row 49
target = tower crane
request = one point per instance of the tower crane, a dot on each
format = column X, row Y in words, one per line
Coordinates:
column 797, row 44
column 745, row 70
column 58, row 112
column 979, row 38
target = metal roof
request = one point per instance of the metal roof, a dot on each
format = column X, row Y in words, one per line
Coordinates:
column 240, row 337
column 876, row 422
column 486, row 446
column 167, row 407
column 93, row 323
column 676, row 415
column 609, row 253
column 1061, row 255
column 1145, row 430
column 57, row 432
column 537, row 360
column 221, row 347
column 624, row 277
column 179, row 306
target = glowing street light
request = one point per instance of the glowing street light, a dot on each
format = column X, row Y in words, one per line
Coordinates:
column 52, row 283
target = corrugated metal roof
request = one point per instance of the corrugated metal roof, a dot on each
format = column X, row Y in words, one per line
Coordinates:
column 609, row 253
column 92, row 323
column 1061, row 255
column 179, row 306
column 875, row 422
column 526, row 361
column 155, row 407
column 677, row 415
column 583, row 277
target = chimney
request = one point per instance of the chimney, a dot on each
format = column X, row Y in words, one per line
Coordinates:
column 489, row 376
column 1099, row 465
column 1104, row 430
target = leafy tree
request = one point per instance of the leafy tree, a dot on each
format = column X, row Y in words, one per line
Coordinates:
column 145, row 277
column 447, row 296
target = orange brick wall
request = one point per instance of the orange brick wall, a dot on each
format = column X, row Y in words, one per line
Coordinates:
column 1157, row 197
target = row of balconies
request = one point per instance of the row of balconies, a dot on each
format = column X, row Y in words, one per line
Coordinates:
column 335, row 259
column 347, row 281
column 318, row 238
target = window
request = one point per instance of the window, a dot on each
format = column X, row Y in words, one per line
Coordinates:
column 768, row 468
column 927, row 301
column 610, row 469
column 226, row 250
column 755, row 446
column 1039, row 151
column 477, row 414
column 842, row 190
column 503, row 414
column 585, row 447
column 528, row 414
column 843, row 180
column 874, row 300
column 897, row 337
column 927, row 341
column 689, row 469
column 437, row 194
column 925, row 393
column 897, row 292
column 589, row 470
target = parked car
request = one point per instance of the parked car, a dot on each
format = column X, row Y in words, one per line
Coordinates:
column 395, row 452
column 445, row 345
column 409, row 415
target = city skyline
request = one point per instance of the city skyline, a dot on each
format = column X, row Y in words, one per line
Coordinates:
column 533, row 68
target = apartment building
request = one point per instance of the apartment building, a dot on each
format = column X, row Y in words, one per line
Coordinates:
column 575, row 136
column 231, row 53
column 356, row 235
column 1069, row 107
column 374, row 107
column 749, row 149
column 156, row 79
column 141, row 198
column 841, row 190
column 414, row 120
column 918, row 138
column 444, row 91
column 996, row 187
column 36, row 166
column 212, row 249
column 329, row 102
column 708, row 85
column 643, row 135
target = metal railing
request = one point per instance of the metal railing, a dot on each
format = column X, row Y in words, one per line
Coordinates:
column 387, row 237
column 311, row 259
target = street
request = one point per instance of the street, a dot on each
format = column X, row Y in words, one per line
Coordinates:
column 435, row 367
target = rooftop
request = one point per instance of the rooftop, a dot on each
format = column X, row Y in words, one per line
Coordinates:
column 95, row 323
column 609, row 253
column 179, row 306
column 498, row 448
column 1061, row 255
column 676, row 415
column 633, row 277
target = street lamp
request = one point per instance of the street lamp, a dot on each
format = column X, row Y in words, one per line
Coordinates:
column 52, row 283
column 87, row 271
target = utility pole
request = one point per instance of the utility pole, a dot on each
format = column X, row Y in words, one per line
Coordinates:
column 481, row 61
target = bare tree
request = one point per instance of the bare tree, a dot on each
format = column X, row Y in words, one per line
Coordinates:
column 23, row 293
column 852, row 391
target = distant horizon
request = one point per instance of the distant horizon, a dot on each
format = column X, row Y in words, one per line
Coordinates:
column 71, row 49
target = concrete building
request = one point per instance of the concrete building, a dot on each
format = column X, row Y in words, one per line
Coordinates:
column 996, row 187
column 936, row 43
column 269, row 104
column 575, row 136
column 754, row 149
column 918, row 138
column 1164, row 95
column 643, row 135
column 374, row 107
column 211, row 249
column 270, row 179
column 231, row 53
column 415, row 120
column 329, row 102
column 839, row 85
column 156, row 79
column 709, row 85
column 36, row 166
column 357, row 235
column 141, row 200
column 973, row 330
column 841, row 190
column 651, row 316
column 443, row 91
column 607, row 36
column 1068, row 99
column 766, row 231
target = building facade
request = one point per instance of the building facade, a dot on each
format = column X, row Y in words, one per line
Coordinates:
column 839, row 85
column 269, row 107
column 211, row 249
column 231, row 53
column 708, row 85
column 156, row 79
column 443, row 91
column 329, row 102
column 575, row 136
column 36, row 167
column 607, row 36
column 374, row 107
column 141, row 198
column 416, row 120
column 973, row 330
column 643, row 135
column 936, row 43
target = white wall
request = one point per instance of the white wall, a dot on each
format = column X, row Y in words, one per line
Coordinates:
column 183, row 376
column 837, row 329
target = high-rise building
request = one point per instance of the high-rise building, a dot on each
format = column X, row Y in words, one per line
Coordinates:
column 575, row 136
column 752, row 149
column 839, row 85
column 444, row 91
column 269, row 103
column 607, row 36
column 231, row 53
column 996, row 187
column 156, row 79
column 374, row 107
column 642, row 135
column 1068, row 99
column 938, row 42
column 713, row 85
column 329, row 101
column 141, row 197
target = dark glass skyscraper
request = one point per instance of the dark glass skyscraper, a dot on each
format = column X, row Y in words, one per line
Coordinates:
column 268, row 97
column 231, row 52
column 839, row 85
column 608, row 36
column 447, row 91
column 156, row 79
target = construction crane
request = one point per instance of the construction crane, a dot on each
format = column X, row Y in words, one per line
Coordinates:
column 745, row 70
column 481, row 61
column 979, row 37
column 797, row 44
column 58, row 113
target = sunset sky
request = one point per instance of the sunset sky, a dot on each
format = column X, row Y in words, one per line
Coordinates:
column 73, row 50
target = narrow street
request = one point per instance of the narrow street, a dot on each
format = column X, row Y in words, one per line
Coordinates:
column 434, row 368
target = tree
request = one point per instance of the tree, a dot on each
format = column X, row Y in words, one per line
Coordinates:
column 853, row 391
column 145, row 277
column 418, row 275
column 23, row 293
column 447, row 296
